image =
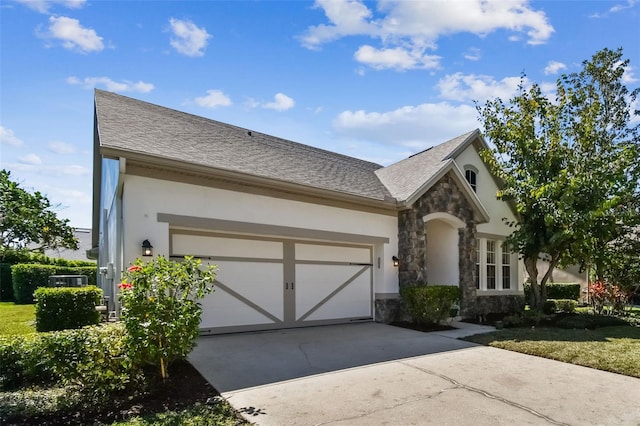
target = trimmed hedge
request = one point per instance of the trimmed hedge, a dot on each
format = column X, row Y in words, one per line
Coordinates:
column 27, row 277
column 14, row 257
column 567, row 306
column 6, row 284
column 430, row 304
column 66, row 307
column 556, row 291
column 93, row 358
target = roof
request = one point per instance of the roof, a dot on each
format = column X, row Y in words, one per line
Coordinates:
column 153, row 134
column 84, row 243
column 406, row 178
column 127, row 125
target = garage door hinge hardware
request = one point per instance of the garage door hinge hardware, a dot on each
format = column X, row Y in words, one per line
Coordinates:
column 360, row 264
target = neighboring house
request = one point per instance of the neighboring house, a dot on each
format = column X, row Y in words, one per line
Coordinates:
column 301, row 236
column 84, row 244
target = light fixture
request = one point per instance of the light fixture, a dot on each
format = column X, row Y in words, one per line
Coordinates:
column 147, row 248
column 396, row 261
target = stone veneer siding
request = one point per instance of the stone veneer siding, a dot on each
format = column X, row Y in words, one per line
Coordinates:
column 445, row 196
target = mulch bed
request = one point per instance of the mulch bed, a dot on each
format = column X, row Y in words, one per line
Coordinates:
column 184, row 387
column 422, row 327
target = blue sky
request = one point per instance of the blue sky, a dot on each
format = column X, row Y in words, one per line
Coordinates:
column 374, row 80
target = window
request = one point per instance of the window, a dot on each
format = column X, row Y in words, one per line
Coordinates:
column 491, row 265
column 477, row 263
column 506, row 268
column 471, row 177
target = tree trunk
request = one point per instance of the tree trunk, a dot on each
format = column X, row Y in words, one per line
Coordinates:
column 530, row 264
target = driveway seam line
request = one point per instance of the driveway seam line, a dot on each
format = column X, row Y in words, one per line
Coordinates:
column 389, row 407
column 487, row 394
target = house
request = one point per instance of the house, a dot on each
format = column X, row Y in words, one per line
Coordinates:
column 301, row 236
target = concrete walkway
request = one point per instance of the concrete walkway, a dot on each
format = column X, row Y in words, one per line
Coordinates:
column 374, row 374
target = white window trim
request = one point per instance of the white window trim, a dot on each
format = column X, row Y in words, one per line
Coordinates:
column 498, row 265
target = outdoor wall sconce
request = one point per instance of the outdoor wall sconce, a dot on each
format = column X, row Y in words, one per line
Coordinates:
column 147, row 248
column 396, row 261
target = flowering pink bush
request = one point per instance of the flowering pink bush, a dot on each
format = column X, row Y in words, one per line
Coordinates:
column 160, row 309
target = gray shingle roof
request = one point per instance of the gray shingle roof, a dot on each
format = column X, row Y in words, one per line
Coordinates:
column 406, row 177
column 131, row 125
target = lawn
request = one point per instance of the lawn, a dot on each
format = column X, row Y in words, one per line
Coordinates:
column 614, row 349
column 17, row 319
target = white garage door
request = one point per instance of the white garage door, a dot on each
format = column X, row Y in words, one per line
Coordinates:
column 268, row 283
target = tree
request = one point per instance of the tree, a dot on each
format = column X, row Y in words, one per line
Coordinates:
column 569, row 166
column 598, row 116
column 27, row 219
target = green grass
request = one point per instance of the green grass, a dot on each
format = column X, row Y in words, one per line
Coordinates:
column 614, row 349
column 17, row 319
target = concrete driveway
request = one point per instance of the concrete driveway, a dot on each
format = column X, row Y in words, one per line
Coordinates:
column 374, row 374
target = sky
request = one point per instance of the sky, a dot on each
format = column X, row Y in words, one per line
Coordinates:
column 374, row 80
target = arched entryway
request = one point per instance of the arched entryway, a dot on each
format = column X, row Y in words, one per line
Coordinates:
column 443, row 251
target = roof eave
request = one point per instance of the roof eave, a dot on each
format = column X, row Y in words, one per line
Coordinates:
column 243, row 178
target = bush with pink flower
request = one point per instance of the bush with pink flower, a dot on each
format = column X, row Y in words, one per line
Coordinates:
column 160, row 308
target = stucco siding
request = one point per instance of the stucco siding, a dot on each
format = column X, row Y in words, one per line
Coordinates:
column 144, row 198
column 486, row 191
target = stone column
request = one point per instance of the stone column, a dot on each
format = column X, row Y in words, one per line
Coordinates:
column 467, row 267
column 411, row 249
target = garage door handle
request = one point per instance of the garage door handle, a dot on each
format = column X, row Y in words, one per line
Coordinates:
column 286, row 286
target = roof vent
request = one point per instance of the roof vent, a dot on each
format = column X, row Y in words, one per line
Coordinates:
column 418, row 153
column 249, row 133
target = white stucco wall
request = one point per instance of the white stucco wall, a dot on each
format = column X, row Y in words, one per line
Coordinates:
column 144, row 198
column 442, row 253
column 486, row 191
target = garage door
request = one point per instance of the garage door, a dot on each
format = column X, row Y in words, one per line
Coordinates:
column 270, row 283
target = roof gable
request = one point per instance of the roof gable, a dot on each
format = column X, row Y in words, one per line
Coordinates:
column 406, row 179
column 128, row 126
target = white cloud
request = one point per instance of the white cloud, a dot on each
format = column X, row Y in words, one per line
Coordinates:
column 471, row 87
column 416, row 127
column 188, row 39
column 347, row 17
column 214, row 98
column 281, row 102
column 73, row 35
column 8, row 137
column 30, row 159
column 628, row 76
column 43, row 6
column 397, row 58
column 113, row 86
column 61, row 147
column 472, row 54
column 413, row 26
column 554, row 67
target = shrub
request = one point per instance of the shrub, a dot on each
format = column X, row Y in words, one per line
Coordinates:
column 512, row 321
column 6, row 284
column 430, row 304
column 567, row 306
column 603, row 294
column 557, row 291
column 66, row 307
column 93, row 359
column 27, row 277
column 160, row 309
